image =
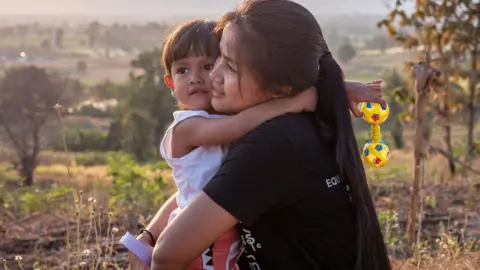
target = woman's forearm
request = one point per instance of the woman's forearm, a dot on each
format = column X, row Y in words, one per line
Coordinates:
column 160, row 220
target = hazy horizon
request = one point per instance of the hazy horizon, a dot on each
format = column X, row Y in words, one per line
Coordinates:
column 168, row 8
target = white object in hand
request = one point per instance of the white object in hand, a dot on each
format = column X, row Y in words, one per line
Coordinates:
column 137, row 247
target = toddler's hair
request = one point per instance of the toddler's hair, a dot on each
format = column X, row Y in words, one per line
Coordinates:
column 192, row 38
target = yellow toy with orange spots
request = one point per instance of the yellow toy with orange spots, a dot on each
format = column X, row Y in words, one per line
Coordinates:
column 375, row 153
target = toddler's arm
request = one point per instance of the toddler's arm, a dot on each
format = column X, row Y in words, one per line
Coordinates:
column 160, row 220
column 200, row 131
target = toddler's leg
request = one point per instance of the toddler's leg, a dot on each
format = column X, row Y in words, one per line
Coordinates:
column 226, row 251
column 222, row 255
column 197, row 264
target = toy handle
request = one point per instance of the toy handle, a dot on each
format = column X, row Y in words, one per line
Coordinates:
column 142, row 251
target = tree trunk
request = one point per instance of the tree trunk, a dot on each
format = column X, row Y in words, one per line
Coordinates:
column 113, row 142
column 28, row 163
column 448, row 144
column 421, row 101
column 447, row 127
column 472, row 86
column 27, row 169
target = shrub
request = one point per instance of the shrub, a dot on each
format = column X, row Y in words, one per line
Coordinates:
column 82, row 140
column 91, row 159
column 135, row 188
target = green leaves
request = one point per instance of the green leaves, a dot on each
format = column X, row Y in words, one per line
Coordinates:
column 134, row 187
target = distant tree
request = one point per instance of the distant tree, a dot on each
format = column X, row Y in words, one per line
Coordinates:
column 7, row 31
column 45, row 45
column 108, row 90
column 108, row 43
column 93, row 32
column 379, row 42
column 36, row 28
column 145, row 108
column 333, row 38
column 82, row 66
column 22, row 31
column 59, row 33
column 346, row 52
column 27, row 99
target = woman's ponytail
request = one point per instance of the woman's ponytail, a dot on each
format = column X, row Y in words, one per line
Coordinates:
column 334, row 125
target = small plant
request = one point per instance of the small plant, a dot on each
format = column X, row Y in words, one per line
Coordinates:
column 421, row 254
column 389, row 224
column 18, row 259
column 431, row 201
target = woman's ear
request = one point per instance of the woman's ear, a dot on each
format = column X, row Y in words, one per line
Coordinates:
column 281, row 91
column 167, row 79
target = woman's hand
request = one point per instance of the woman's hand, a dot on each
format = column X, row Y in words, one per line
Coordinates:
column 358, row 92
column 135, row 262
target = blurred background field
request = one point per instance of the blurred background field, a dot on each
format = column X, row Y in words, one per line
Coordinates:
column 75, row 177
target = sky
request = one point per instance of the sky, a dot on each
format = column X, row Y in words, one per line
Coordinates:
column 174, row 7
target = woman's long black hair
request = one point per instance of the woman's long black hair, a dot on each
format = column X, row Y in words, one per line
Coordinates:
column 281, row 42
column 334, row 120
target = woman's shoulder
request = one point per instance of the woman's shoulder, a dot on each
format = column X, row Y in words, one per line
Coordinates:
column 290, row 131
column 276, row 133
column 289, row 122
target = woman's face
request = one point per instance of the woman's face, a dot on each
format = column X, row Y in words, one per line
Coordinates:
column 233, row 93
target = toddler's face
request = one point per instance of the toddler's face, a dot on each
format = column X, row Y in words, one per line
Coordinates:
column 190, row 82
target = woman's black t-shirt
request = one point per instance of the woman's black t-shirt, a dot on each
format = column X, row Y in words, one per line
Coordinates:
column 281, row 182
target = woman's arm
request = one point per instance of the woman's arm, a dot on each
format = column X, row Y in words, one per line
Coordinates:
column 246, row 186
column 159, row 221
column 193, row 230
column 201, row 131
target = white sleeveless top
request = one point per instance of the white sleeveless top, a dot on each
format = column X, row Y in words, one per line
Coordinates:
column 193, row 171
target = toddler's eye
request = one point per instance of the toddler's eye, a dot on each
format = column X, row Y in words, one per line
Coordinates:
column 181, row 70
column 209, row 67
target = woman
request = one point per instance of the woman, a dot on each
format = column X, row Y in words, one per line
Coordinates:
column 295, row 186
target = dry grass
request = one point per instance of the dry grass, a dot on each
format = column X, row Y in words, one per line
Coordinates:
column 469, row 261
column 47, row 237
column 390, row 188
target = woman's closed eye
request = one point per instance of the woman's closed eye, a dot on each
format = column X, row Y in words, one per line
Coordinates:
column 231, row 68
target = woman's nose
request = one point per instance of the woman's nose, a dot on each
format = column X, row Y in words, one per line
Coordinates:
column 214, row 74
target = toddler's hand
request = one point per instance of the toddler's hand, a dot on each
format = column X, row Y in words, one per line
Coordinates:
column 360, row 92
column 306, row 100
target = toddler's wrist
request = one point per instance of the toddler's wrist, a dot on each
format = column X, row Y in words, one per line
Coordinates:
column 146, row 239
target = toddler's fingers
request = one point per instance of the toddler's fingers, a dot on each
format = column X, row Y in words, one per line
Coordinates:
column 354, row 109
column 379, row 81
column 381, row 101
